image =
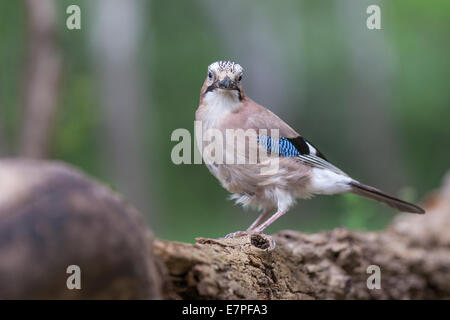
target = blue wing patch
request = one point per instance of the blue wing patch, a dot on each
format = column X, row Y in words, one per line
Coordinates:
column 283, row 147
column 290, row 147
column 298, row 147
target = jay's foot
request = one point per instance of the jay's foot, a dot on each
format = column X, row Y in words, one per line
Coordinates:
column 258, row 239
column 237, row 234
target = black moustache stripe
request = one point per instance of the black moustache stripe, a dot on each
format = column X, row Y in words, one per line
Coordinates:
column 210, row 88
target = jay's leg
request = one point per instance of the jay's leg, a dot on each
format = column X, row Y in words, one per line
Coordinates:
column 260, row 228
column 257, row 227
column 250, row 229
column 269, row 221
column 260, row 219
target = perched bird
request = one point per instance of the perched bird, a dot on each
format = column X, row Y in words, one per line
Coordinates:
column 302, row 170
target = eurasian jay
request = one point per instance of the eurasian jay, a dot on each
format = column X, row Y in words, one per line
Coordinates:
column 301, row 170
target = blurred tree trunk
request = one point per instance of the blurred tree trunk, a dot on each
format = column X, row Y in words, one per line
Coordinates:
column 3, row 146
column 116, row 31
column 252, row 38
column 369, row 115
column 41, row 78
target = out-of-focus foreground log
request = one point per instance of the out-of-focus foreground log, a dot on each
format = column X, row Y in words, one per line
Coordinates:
column 51, row 216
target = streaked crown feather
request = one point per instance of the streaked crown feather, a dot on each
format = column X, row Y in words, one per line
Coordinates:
column 227, row 66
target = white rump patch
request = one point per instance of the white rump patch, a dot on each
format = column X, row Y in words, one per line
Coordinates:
column 324, row 181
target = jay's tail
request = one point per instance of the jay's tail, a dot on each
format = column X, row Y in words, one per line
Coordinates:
column 375, row 194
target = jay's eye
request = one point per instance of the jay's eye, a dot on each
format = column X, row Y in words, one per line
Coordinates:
column 240, row 78
column 210, row 75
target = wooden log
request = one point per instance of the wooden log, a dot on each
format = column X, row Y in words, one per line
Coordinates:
column 52, row 216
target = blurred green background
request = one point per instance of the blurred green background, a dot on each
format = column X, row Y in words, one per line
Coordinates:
column 375, row 102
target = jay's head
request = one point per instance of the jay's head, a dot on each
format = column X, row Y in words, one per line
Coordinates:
column 224, row 77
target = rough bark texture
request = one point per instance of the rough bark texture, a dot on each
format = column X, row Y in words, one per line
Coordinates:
column 51, row 216
column 413, row 254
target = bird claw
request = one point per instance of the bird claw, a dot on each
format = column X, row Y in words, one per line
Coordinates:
column 236, row 234
column 258, row 239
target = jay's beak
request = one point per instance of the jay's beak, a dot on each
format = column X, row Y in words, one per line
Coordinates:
column 227, row 84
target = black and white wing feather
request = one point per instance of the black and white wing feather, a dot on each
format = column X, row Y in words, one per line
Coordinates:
column 299, row 148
